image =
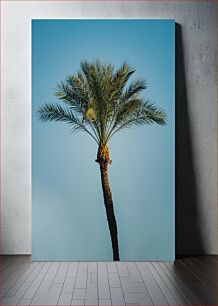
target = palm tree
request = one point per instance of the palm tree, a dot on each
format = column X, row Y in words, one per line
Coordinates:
column 99, row 102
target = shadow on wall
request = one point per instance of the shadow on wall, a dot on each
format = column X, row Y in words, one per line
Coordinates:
column 188, row 234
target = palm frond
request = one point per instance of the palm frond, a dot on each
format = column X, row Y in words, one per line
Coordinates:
column 69, row 93
column 134, row 89
column 122, row 75
column 136, row 113
column 52, row 112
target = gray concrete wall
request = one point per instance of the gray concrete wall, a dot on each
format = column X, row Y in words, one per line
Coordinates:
column 195, row 103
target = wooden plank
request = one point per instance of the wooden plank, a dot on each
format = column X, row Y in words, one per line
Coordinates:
column 13, row 274
column 129, row 286
column 94, row 277
column 180, row 296
column 114, row 280
column 81, row 279
column 184, row 285
column 154, row 291
column 24, row 302
column 65, row 298
column 79, row 294
column 122, row 269
column 111, row 267
column 210, row 264
column 202, row 271
column 78, row 302
column 104, row 302
column 73, row 268
column 91, row 294
column 169, row 296
column 46, row 267
column 34, row 286
column 189, row 274
column 197, row 289
column 48, row 298
column 141, row 298
column 29, row 275
column 49, row 277
column 65, row 263
column 134, row 273
column 18, row 281
column 61, row 274
column 212, row 259
column 83, row 266
column 92, row 267
column 3, row 292
column 103, row 282
column 69, row 285
column 35, row 272
column 15, row 261
column 17, row 297
column 5, row 261
column 117, row 297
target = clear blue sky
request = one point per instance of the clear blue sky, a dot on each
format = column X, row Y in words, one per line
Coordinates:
column 69, row 221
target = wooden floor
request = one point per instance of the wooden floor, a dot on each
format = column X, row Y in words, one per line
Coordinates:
column 188, row 281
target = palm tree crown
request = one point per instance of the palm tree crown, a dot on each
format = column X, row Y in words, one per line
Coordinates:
column 99, row 102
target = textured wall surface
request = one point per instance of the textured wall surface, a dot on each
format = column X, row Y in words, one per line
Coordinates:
column 196, row 113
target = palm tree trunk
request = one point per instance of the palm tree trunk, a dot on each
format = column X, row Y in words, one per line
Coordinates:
column 108, row 202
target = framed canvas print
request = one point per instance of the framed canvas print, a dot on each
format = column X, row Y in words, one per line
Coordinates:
column 103, row 140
